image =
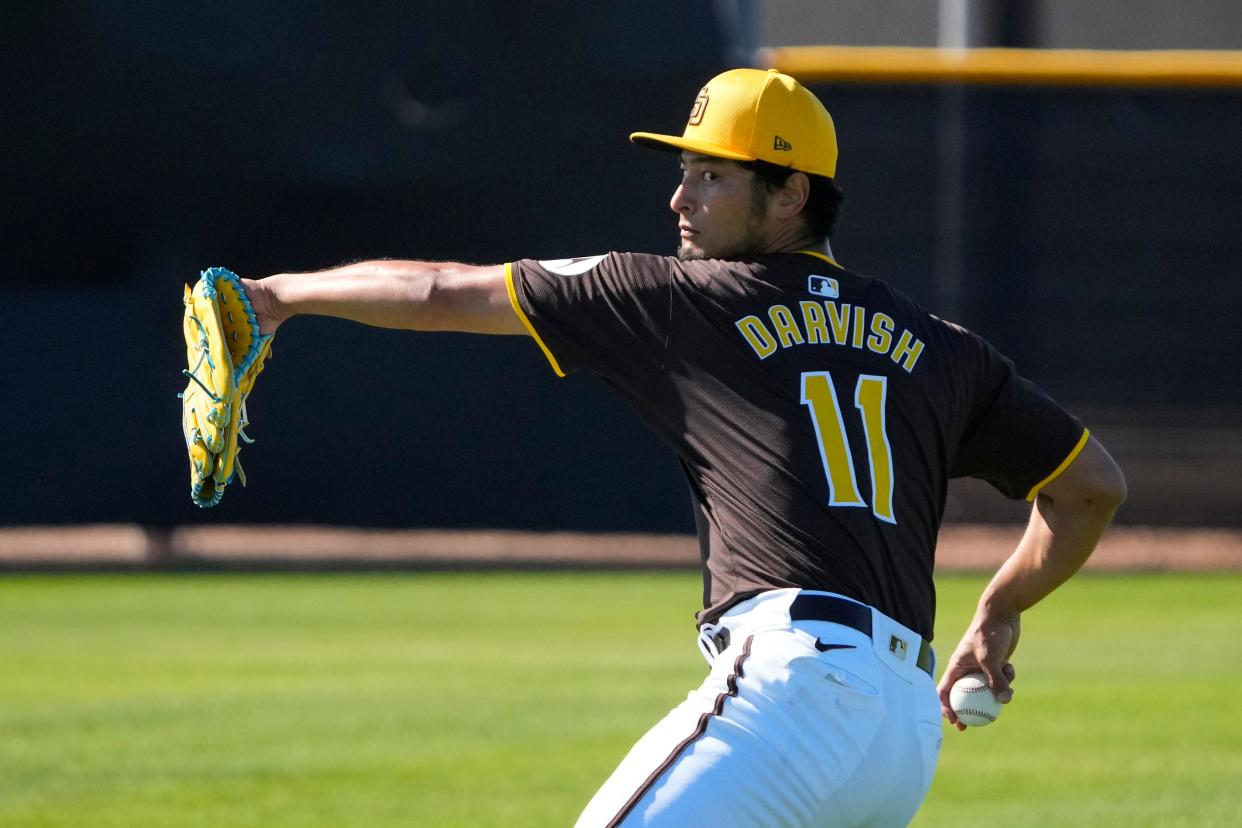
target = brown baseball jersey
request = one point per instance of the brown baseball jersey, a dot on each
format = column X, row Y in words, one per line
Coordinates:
column 817, row 413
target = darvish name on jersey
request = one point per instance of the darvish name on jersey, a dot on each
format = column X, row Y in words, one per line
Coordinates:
column 828, row 322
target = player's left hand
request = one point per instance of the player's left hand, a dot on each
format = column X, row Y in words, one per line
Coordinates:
column 985, row 648
column 263, row 304
column 226, row 350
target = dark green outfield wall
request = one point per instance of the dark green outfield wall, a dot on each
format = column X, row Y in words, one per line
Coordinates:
column 1096, row 231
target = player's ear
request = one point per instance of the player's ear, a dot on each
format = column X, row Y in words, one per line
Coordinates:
column 792, row 195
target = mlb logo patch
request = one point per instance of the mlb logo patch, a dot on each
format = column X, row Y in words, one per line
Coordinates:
column 824, row 286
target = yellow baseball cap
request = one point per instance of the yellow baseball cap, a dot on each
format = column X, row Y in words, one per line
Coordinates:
column 753, row 115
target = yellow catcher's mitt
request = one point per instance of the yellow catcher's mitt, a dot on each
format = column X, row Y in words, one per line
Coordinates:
column 225, row 353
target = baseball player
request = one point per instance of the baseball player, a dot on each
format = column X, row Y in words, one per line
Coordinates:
column 818, row 415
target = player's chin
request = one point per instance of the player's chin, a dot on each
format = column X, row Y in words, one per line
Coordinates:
column 687, row 252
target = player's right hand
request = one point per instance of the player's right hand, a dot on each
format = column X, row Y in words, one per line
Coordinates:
column 985, row 648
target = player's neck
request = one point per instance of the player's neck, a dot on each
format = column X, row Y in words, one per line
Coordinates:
column 801, row 243
column 791, row 236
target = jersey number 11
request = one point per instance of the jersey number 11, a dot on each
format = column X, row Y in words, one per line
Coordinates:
column 870, row 396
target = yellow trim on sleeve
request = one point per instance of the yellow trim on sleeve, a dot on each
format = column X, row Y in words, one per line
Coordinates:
column 823, row 256
column 1082, row 442
column 521, row 314
column 1038, row 67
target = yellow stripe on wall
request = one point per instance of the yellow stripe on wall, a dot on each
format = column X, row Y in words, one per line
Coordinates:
column 1036, row 67
column 521, row 314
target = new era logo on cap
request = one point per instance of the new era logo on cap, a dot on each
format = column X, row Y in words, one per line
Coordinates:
column 823, row 286
column 781, row 145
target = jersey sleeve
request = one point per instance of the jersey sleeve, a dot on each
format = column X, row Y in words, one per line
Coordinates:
column 1020, row 439
column 608, row 314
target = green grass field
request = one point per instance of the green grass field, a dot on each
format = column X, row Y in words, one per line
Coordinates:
column 503, row 700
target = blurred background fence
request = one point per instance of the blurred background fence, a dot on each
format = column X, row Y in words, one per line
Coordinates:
column 1091, row 232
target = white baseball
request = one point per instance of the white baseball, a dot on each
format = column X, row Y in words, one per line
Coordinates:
column 973, row 702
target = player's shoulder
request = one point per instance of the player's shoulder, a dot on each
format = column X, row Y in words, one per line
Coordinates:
column 675, row 266
column 875, row 292
column 613, row 265
column 654, row 270
column 953, row 340
column 884, row 292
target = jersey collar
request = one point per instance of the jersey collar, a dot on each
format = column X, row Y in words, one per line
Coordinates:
column 823, row 256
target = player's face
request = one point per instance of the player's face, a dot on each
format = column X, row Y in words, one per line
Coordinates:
column 718, row 213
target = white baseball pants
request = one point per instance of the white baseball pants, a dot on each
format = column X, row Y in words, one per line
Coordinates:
column 798, row 724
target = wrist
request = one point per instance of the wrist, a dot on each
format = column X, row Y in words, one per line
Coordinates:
column 275, row 287
column 997, row 604
column 267, row 302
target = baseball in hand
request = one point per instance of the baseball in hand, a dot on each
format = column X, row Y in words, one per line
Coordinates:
column 973, row 702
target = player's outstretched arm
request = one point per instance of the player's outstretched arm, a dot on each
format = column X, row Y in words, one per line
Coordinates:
column 1070, row 514
column 423, row 296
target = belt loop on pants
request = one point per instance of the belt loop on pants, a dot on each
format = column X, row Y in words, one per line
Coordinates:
column 713, row 640
column 835, row 610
